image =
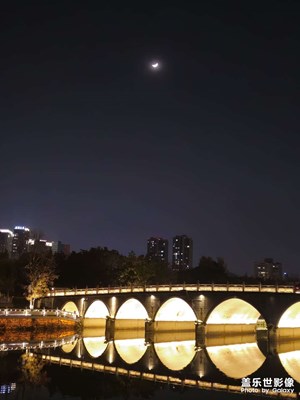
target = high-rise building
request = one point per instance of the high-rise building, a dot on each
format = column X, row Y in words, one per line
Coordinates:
column 268, row 269
column 157, row 249
column 59, row 247
column 20, row 241
column 39, row 246
column 182, row 253
column 6, row 237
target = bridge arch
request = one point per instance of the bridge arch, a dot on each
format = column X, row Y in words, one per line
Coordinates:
column 175, row 309
column 233, row 311
column 97, row 310
column 131, row 315
column 71, row 307
column 232, row 316
column 173, row 315
column 291, row 317
column 132, row 308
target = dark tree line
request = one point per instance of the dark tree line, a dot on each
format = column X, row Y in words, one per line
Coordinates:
column 103, row 267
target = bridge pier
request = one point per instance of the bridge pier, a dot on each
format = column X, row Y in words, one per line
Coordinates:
column 110, row 329
column 200, row 334
column 149, row 331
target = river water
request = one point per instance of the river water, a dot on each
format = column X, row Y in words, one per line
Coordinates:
column 90, row 367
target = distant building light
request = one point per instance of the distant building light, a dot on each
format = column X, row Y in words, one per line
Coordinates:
column 22, row 228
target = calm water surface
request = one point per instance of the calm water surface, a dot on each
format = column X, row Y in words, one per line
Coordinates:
column 89, row 368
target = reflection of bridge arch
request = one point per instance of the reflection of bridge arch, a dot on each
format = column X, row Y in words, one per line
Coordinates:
column 95, row 346
column 130, row 350
column 291, row 317
column 291, row 363
column 236, row 360
column 70, row 306
column 175, row 355
column 68, row 347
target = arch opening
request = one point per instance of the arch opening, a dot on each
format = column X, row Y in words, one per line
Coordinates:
column 175, row 309
column 71, row 307
column 130, row 319
column 234, row 311
column 233, row 317
column 175, row 315
column 132, row 309
column 97, row 310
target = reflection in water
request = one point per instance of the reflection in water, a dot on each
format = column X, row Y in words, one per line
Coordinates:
column 291, row 317
column 95, row 346
column 238, row 360
column 174, row 362
column 130, row 350
column 68, row 347
column 291, row 363
column 175, row 355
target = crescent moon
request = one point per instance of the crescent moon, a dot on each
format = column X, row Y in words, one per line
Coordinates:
column 155, row 65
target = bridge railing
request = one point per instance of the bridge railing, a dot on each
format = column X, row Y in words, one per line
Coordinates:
column 15, row 312
column 197, row 287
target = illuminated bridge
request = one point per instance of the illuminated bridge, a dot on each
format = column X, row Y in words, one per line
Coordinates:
column 209, row 310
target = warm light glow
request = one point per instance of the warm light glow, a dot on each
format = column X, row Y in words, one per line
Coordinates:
column 234, row 311
column 71, row 307
column 237, row 360
column 97, row 310
column 175, row 355
column 113, row 306
column 95, row 346
column 291, row 363
column 291, row 317
column 175, row 309
column 132, row 309
column 131, row 350
column 68, row 347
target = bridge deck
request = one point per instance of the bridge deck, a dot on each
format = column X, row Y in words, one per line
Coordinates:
column 174, row 288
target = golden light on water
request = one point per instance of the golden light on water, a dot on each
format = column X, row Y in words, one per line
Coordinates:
column 131, row 350
column 237, row 360
column 95, row 346
column 291, row 363
column 291, row 317
column 175, row 355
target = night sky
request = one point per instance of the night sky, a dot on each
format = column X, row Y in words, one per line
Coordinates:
column 98, row 149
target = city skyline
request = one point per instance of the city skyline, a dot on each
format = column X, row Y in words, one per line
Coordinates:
column 103, row 150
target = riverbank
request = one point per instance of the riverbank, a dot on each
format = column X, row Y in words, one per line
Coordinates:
column 35, row 322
